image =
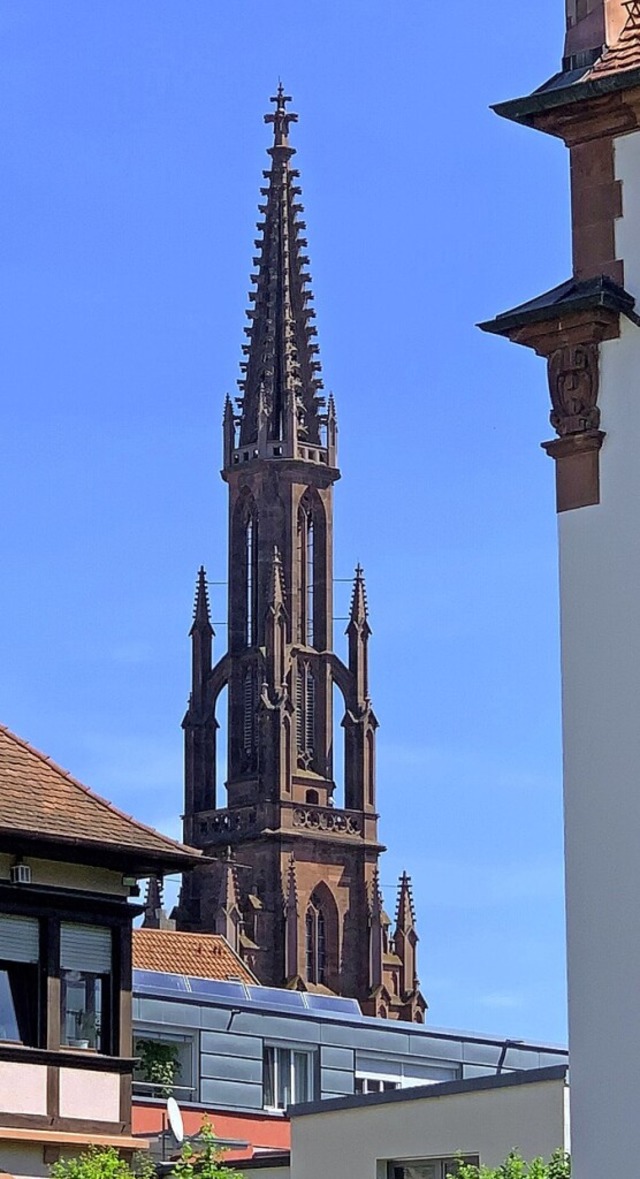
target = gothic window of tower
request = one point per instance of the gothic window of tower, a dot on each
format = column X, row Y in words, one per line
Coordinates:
column 251, row 576
column 306, row 548
column 249, row 694
column 305, row 715
column 315, row 942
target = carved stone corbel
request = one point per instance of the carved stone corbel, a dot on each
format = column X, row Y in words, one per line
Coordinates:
column 574, row 379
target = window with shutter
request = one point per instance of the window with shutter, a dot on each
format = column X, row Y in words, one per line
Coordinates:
column 19, row 984
column 85, row 985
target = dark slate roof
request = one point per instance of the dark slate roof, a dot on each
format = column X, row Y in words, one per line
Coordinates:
column 565, row 89
column 40, row 803
column 570, row 296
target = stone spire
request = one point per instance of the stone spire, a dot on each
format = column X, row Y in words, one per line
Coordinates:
column 280, row 402
column 202, row 635
column 229, row 912
column 376, row 933
column 291, row 915
column 405, row 936
column 358, row 632
column 155, row 916
column 201, row 613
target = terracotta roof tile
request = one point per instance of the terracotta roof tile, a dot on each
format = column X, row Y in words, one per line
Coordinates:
column 200, row 955
column 39, row 800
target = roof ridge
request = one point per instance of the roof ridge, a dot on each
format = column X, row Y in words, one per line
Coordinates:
column 173, row 844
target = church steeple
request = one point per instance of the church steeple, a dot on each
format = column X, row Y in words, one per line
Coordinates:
column 280, row 402
column 308, row 856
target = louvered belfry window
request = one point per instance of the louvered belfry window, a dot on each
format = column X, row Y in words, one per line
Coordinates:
column 306, row 573
column 249, row 717
column 305, row 714
column 251, row 579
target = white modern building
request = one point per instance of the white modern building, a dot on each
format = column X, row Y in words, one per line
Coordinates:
column 421, row 1133
column 587, row 330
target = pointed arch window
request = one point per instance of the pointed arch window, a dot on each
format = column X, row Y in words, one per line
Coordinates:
column 251, row 578
column 306, row 572
column 305, row 714
column 315, row 942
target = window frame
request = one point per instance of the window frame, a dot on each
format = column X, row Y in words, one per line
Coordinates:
column 293, row 1050
column 443, row 1164
column 50, row 912
column 191, row 1041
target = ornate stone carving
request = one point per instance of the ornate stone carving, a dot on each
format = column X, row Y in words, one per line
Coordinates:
column 573, row 384
column 337, row 822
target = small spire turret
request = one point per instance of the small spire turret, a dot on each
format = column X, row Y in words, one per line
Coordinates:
column 358, row 632
column 202, row 635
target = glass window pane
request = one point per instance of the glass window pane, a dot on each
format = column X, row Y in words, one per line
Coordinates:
column 301, row 1077
column 81, row 1003
column 269, row 1078
column 19, row 1003
column 283, row 1077
column 8, row 1017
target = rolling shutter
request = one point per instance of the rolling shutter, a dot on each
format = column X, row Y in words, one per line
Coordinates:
column 19, row 939
column 85, row 947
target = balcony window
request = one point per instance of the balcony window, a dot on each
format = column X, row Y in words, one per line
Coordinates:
column 19, row 989
column 287, row 1077
column 165, row 1065
column 85, row 986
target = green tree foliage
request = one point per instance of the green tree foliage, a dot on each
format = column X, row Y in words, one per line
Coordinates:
column 515, row 1167
column 205, row 1162
column 158, row 1063
column 103, row 1163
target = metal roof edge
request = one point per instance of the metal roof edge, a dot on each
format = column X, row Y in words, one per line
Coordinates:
column 555, row 1072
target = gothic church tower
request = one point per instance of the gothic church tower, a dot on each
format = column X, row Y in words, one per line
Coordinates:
column 294, row 880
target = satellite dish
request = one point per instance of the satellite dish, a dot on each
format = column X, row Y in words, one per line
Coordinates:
column 175, row 1119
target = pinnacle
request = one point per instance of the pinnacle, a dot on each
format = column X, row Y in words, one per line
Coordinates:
column 405, row 912
column 359, row 611
column 276, row 583
column 376, row 894
column 229, row 891
column 152, row 903
column 292, row 885
column 201, row 614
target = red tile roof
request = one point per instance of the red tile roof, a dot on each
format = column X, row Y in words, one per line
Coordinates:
column 42, row 802
column 201, row 955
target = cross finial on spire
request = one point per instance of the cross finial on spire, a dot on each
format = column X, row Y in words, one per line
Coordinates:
column 281, row 117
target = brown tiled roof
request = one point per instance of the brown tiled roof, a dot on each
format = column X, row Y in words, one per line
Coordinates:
column 201, row 955
column 624, row 54
column 41, row 802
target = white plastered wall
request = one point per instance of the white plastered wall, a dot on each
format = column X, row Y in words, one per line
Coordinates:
column 600, row 622
column 57, row 874
column 359, row 1142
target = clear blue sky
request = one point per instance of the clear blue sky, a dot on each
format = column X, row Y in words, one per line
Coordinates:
column 132, row 145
